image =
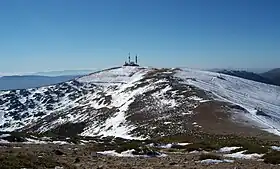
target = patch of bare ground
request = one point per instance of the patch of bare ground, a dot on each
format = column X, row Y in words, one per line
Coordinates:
column 216, row 118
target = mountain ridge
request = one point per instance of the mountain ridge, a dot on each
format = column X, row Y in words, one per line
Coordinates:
column 271, row 77
column 136, row 103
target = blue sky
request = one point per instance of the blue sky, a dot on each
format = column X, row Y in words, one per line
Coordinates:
column 88, row 34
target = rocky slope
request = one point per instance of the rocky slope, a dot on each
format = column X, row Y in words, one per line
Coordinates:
column 138, row 103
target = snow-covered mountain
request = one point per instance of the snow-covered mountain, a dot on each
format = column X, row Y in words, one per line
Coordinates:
column 135, row 102
column 248, row 75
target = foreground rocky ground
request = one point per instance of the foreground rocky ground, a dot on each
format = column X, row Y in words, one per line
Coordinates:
column 193, row 151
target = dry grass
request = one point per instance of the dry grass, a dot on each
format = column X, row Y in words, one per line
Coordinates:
column 25, row 160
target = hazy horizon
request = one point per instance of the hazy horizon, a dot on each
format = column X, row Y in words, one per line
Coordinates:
column 39, row 36
column 86, row 71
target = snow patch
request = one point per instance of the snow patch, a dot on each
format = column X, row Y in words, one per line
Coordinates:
column 114, row 126
column 60, row 142
column 196, row 98
column 183, row 144
column 170, row 145
column 212, row 161
column 167, row 146
column 171, row 103
column 244, row 156
column 4, row 135
column 228, row 149
column 4, row 141
column 167, row 122
column 194, row 152
column 32, row 141
column 188, row 113
column 277, row 148
column 128, row 153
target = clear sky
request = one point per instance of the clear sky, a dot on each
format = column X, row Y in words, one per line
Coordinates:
column 42, row 35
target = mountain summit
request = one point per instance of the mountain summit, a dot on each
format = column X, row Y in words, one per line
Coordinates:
column 139, row 103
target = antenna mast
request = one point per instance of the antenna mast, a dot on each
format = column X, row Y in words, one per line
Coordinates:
column 129, row 57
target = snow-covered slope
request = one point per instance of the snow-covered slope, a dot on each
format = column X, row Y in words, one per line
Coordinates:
column 132, row 102
column 115, row 75
column 257, row 98
column 120, row 102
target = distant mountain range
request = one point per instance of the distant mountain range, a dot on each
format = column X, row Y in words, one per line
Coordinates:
column 273, row 75
column 253, row 70
column 39, row 79
column 65, row 72
column 269, row 77
column 31, row 81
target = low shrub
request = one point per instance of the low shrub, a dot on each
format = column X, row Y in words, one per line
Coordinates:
column 207, row 146
column 209, row 156
column 251, row 149
column 128, row 146
column 272, row 157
